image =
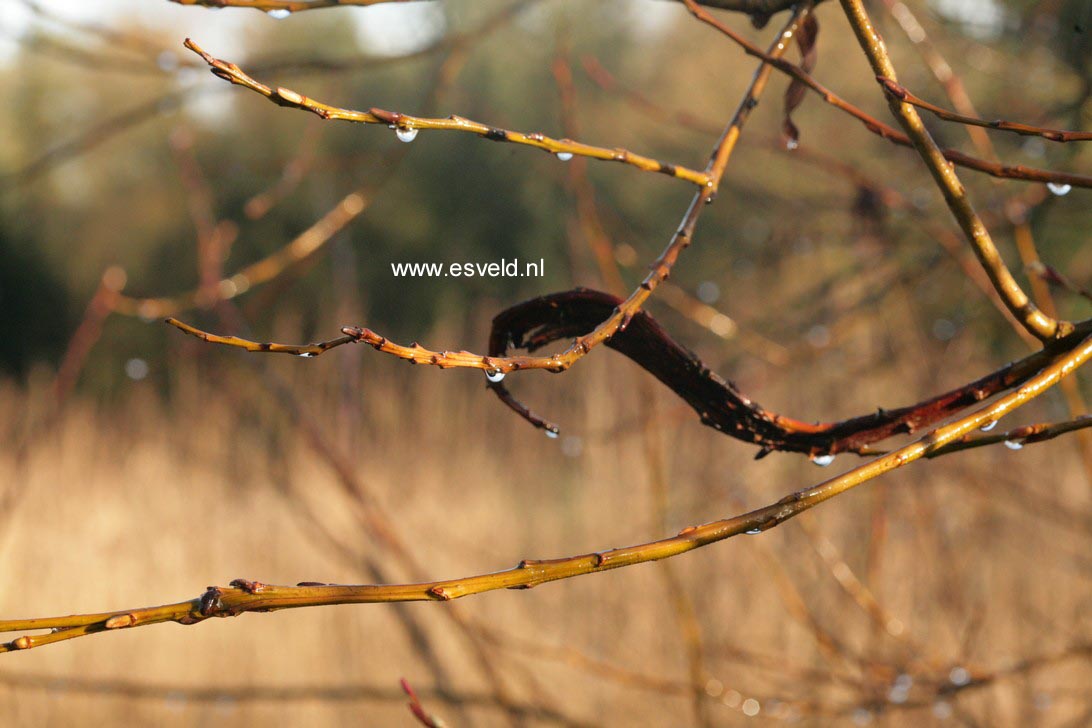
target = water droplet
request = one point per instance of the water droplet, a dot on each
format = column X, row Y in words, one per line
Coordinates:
column 136, row 369
column 753, row 532
column 818, row 336
column 1014, row 445
column 494, row 375
column 552, row 434
column 167, row 61
column 708, row 292
column 944, row 329
column 279, row 13
column 988, row 426
column 566, row 156
column 1059, row 189
column 405, row 134
column 307, row 354
column 862, row 716
column 572, row 447
column 792, row 144
column 898, row 694
column 823, row 460
column 959, row 676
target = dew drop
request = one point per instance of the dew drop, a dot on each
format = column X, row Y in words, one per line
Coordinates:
column 167, row 61
column 307, row 354
column 792, row 144
column 552, row 434
column 405, row 134
column 988, row 426
column 494, row 375
column 136, row 369
column 753, row 532
column 823, row 460
column 1060, row 189
column 566, row 156
column 279, row 13
column 1014, row 445
column 862, row 716
column 959, row 676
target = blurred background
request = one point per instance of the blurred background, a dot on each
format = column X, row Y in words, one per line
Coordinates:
column 139, row 465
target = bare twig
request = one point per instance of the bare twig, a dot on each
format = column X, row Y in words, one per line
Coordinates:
column 407, row 126
column 901, row 93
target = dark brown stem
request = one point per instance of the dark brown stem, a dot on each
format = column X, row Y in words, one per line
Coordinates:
column 719, row 403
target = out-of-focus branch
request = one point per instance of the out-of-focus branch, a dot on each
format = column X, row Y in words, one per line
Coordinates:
column 305, row 245
column 423, row 716
column 249, row 596
column 407, row 126
column 1034, row 320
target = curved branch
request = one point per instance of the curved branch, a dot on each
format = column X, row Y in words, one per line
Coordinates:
column 955, row 195
column 719, row 403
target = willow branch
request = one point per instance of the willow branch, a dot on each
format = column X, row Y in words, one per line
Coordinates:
column 1017, row 437
column 901, row 93
column 407, row 126
column 243, row 596
column 874, row 125
column 1034, row 320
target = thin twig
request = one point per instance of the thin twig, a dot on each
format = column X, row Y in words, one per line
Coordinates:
column 901, row 93
column 408, row 126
